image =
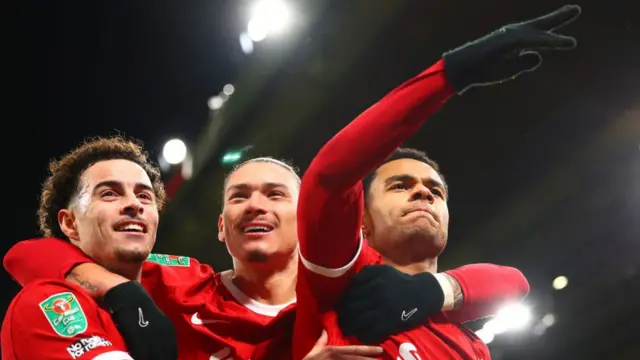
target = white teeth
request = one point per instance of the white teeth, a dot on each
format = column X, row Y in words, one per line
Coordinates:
column 132, row 227
column 256, row 229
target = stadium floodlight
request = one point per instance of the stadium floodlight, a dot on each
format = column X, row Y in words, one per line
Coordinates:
column 174, row 151
column 228, row 89
column 267, row 17
column 485, row 335
column 231, row 157
column 511, row 317
column 215, row 103
column 246, row 44
column 560, row 282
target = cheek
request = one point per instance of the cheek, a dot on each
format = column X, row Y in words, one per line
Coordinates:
column 444, row 214
column 153, row 216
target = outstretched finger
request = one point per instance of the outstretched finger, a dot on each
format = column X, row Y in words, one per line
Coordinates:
column 556, row 19
column 540, row 40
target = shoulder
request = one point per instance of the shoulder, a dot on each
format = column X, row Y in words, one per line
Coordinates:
column 175, row 270
column 46, row 302
column 43, row 292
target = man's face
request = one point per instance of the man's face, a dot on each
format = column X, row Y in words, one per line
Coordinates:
column 407, row 209
column 114, row 218
column 258, row 221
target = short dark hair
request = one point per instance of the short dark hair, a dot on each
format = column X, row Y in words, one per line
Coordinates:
column 264, row 159
column 402, row 153
column 63, row 184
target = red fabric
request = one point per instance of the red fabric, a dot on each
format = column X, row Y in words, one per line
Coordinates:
column 31, row 260
column 330, row 214
column 28, row 334
column 211, row 322
column 331, row 199
column 486, row 287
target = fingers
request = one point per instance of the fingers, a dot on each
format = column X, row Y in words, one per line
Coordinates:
column 541, row 40
column 354, row 350
column 350, row 352
column 528, row 61
column 322, row 341
column 556, row 19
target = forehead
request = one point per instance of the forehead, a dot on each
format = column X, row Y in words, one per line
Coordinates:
column 262, row 172
column 410, row 167
column 119, row 170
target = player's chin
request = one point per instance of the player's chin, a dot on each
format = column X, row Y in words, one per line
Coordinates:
column 136, row 253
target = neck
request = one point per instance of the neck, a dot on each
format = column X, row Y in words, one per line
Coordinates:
column 427, row 265
column 131, row 271
column 268, row 283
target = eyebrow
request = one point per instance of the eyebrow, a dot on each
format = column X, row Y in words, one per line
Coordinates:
column 406, row 177
column 114, row 183
column 245, row 186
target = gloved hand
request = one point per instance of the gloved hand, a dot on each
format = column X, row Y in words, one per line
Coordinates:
column 381, row 301
column 509, row 51
column 147, row 332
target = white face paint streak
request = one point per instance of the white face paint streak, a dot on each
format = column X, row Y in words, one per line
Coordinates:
column 82, row 199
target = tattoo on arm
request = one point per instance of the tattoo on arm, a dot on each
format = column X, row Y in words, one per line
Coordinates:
column 458, row 296
column 88, row 286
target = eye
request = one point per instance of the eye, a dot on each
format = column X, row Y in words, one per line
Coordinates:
column 277, row 194
column 237, row 196
column 398, row 186
column 438, row 192
column 145, row 196
column 108, row 194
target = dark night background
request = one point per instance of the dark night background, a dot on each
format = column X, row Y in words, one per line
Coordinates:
column 544, row 171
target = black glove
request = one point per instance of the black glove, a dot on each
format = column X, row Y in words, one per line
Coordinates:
column 509, row 51
column 147, row 332
column 381, row 301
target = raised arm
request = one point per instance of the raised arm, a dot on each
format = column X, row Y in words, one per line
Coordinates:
column 331, row 198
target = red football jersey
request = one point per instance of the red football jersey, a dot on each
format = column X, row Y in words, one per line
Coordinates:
column 330, row 213
column 56, row 320
column 214, row 320
column 318, row 290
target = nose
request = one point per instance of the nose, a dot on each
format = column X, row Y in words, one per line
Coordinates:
column 256, row 205
column 132, row 206
column 422, row 192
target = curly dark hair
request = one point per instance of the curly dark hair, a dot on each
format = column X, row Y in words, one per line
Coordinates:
column 62, row 185
column 402, row 153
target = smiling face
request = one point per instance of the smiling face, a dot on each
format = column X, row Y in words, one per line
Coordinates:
column 258, row 220
column 407, row 211
column 114, row 216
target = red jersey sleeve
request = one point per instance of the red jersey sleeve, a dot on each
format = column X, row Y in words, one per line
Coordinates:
column 485, row 288
column 331, row 202
column 53, row 320
column 31, row 260
column 167, row 278
column 171, row 279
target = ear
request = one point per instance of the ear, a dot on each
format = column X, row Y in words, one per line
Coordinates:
column 220, row 228
column 367, row 225
column 67, row 222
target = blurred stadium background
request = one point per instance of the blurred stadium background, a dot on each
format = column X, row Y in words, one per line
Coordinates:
column 544, row 172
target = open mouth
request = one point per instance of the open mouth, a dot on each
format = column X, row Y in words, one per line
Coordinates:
column 257, row 229
column 131, row 226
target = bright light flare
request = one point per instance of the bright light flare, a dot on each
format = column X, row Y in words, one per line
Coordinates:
column 228, row 89
column 174, row 151
column 215, row 103
column 267, row 17
column 246, row 44
column 485, row 335
column 511, row 317
column 514, row 316
column 560, row 282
